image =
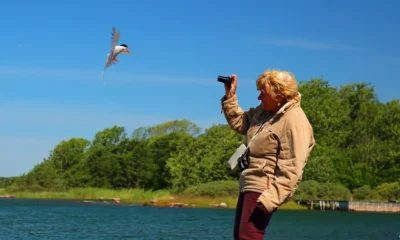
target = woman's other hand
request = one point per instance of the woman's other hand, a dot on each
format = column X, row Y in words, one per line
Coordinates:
column 262, row 207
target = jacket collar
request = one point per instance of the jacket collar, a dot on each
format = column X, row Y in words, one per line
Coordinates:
column 289, row 105
column 286, row 107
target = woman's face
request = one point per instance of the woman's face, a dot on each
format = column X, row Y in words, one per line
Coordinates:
column 268, row 103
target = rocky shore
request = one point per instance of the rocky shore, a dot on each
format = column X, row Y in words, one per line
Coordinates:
column 7, row 196
column 173, row 204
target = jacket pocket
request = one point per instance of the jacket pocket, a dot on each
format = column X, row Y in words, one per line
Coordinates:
column 283, row 167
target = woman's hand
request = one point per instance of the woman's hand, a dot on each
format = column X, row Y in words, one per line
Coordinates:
column 262, row 207
column 231, row 91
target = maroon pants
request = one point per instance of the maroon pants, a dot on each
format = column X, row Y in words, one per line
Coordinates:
column 250, row 222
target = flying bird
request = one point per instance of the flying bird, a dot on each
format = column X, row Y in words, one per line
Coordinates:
column 115, row 50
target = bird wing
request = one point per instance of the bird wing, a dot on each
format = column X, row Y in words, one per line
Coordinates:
column 114, row 40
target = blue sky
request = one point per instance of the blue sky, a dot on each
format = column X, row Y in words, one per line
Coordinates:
column 53, row 53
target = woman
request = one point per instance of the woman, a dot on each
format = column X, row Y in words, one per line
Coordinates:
column 281, row 140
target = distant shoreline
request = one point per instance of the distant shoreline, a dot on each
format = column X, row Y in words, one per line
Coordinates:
column 142, row 198
column 173, row 201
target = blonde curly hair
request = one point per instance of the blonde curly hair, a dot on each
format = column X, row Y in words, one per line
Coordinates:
column 283, row 84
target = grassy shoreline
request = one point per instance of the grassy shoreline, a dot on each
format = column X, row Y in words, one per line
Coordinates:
column 139, row 196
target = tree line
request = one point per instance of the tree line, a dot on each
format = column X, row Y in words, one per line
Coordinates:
column 358, row 147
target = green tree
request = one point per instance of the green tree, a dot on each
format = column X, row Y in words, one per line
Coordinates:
column 332, row 191
column 182, row 126
column 308, row 190
column 110, row 136
column 44, row 175
column 366, row 193
column 68, row 158
column 160, row 150
column 389, row 191
column 325, row 111
column 321, row 169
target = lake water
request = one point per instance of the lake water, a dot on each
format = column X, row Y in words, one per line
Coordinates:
column 61, row 219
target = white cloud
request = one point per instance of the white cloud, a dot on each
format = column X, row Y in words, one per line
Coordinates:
column 47, row 114
column 19, row 154
column 303, row 43
column 29, row 113
column 90, row 75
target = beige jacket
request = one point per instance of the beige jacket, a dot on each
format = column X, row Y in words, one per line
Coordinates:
column 277, row 154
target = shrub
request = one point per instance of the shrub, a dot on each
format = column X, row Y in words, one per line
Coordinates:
column 214, row 189
column 366, row 193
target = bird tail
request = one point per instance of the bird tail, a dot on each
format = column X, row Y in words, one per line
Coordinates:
column 102, row 77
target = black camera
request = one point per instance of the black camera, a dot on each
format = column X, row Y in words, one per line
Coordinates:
column 226, row 80
column 243, row 161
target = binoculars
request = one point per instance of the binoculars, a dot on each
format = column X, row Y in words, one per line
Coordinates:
column 226, row 80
